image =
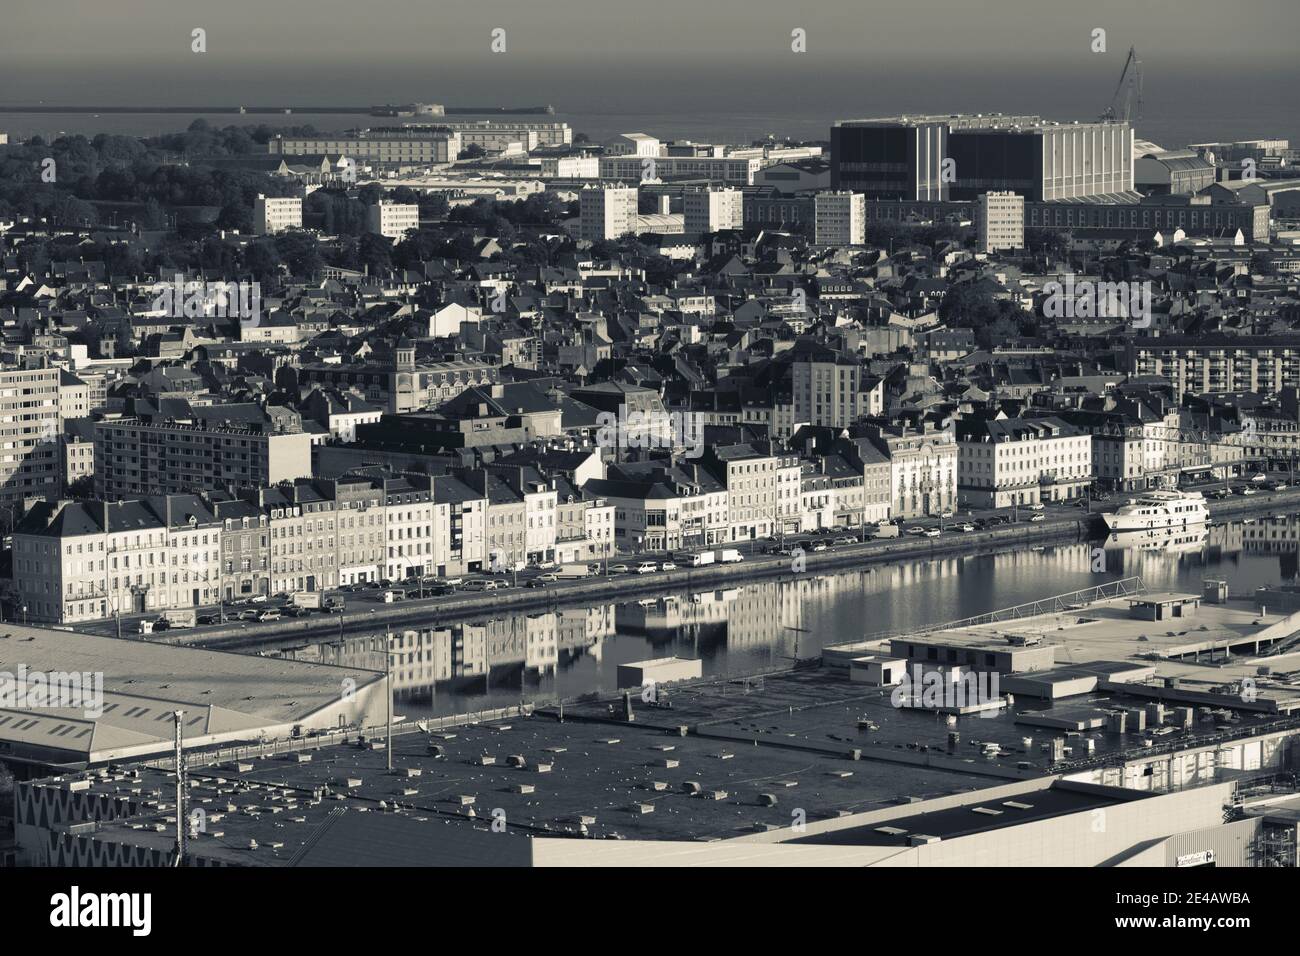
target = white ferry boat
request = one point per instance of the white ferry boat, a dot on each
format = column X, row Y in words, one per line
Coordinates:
column 1157, row 510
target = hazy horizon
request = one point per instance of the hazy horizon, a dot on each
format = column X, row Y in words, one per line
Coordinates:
column 1211, row 70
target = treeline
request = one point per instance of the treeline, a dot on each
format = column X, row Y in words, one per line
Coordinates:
column 62, row 180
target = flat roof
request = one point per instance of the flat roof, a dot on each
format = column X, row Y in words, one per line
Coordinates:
column 1054, row 801
column 144, row 682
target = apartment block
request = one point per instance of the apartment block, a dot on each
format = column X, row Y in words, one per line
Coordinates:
column 392, row 220
column 711, row 210
column 1264, row 364
column 30, row 426
column 273, row 214
column 1000, row 221
column 839, row 219
column 137, row 456
column 607, row 212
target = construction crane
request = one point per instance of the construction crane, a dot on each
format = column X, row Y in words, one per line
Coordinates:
column 1132, row 96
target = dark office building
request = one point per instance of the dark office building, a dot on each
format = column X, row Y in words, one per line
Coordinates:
column 904, row 157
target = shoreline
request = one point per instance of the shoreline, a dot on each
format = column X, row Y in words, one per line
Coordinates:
column 436, row 612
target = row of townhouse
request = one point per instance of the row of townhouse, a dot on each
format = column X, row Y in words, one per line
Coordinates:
column 79, row 561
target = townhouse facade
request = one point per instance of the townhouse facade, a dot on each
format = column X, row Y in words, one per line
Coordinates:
column 1003, row 462
column 923, row 469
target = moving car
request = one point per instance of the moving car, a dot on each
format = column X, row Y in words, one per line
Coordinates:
column 667, row 566
column 1037, row 517
column 619, row 569
column 647, row 567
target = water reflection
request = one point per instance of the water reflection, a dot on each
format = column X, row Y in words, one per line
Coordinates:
column 495, row 661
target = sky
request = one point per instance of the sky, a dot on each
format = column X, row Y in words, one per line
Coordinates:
column 1218, row 57
column 320, row 35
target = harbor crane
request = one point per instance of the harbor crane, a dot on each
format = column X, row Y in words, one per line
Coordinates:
column 1126, row 102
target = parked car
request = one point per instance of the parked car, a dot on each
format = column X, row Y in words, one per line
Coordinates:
column 1037, row 506
column 257, row 599
column 946, row 515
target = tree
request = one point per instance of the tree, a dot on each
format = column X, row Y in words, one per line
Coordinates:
column 300, row 252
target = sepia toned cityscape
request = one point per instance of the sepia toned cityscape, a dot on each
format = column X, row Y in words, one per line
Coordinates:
column 495, row 459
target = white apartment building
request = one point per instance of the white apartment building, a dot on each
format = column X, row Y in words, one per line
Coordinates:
column 711, row 210
column 839, row 218
column 30, row 428
column 275, row 214
column 1000, row 219
column 1021, row 461
column 607, row 212
column 392, row 219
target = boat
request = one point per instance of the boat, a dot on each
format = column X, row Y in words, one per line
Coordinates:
column 1159, row 510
